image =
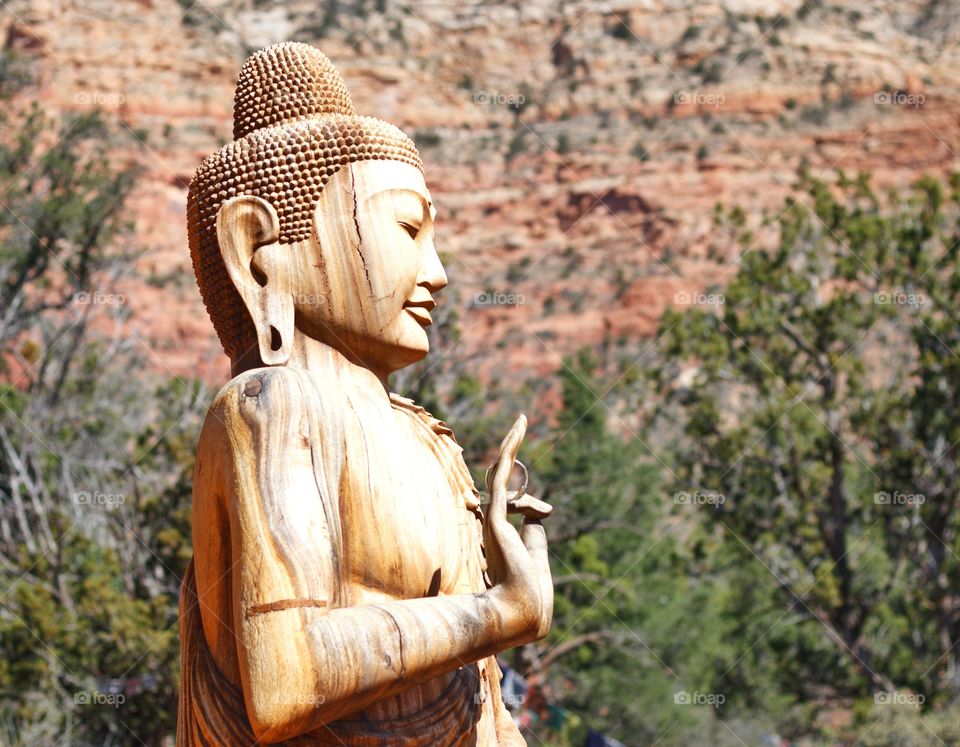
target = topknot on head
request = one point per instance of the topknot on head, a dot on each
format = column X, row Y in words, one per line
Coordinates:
column 285, row 83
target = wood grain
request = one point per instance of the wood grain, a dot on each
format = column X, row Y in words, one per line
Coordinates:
column 346, row 587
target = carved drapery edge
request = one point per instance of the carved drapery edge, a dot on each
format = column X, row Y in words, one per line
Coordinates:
column 441, row 429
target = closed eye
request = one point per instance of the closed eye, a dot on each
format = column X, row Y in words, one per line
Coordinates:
column 412, row 230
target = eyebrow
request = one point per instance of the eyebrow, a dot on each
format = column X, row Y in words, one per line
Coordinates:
column 427, row 205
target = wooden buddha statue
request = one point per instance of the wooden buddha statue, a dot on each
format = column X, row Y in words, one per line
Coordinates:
column 345, row 587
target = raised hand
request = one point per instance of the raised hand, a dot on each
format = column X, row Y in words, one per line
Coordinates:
column 518, row 562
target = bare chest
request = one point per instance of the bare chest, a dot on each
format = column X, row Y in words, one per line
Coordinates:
column 406, row 533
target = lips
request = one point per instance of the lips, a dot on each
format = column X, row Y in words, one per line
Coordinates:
column 420, row 310
column 420, row 314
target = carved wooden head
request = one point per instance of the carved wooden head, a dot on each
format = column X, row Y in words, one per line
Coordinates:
column 314, row 221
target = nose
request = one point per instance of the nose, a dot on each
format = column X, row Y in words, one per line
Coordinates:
column 432, row 275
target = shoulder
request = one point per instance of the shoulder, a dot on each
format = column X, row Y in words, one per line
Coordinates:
column 272, row 396
column 274, row 407
column 254, row 415
column 259, row 407
column 270, row 435
column 273, row 391
column 259, row 393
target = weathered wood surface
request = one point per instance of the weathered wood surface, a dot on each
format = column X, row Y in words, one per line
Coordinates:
column 346, row 586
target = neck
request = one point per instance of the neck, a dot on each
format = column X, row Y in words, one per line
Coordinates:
column 324, row 361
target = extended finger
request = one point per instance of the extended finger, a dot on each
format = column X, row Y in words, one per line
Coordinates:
column 509, row 448
column 529, row 506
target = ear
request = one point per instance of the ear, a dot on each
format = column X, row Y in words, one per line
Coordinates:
column 248, row 232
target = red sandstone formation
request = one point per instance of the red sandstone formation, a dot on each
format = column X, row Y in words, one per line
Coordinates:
column 576, row 150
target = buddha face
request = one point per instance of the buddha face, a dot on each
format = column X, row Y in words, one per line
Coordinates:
column 364, row 282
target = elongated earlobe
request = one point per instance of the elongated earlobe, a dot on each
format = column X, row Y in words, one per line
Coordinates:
column 276, row 321
column 275, row 338
column 248, row 231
